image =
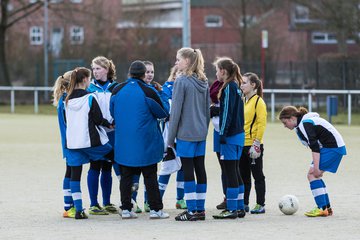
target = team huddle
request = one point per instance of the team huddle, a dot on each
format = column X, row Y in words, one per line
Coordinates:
column 132, row 126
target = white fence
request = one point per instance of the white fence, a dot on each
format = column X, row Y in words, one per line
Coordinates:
column 272, row 92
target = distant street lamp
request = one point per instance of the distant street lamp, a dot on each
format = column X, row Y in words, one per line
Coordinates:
column 46, row 61
column 264, row 45
column 186, row 30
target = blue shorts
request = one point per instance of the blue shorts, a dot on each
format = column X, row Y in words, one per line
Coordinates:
column 78, row 157
column 230, row 152
column 330, row 159
column 190, row 149
column 216, row 140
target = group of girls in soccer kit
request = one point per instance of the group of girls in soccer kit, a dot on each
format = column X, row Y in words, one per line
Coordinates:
column 235, row 105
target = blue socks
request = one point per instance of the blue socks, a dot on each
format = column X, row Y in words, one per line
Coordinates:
column 163, row 182
column 93, row 186
column 232, row 198
column 180, row 185
column 106, row 185
column 240, row 198
column 68, row 201
column 319, row 192
column 190, row 195
column 76, row 195
column 200, row 196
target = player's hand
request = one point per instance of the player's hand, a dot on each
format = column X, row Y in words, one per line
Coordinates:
column 157, row 86
column 255, row 150
column 317, row 173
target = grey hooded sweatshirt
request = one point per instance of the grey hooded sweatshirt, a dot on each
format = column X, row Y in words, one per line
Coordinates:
column 190, row 110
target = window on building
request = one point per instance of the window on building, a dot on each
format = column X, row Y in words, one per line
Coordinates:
column 301, row 14
column 323, row 38
column 249, row 19
column 76, row 35
column 213, row 21
column 10, row 7
column 51, row 1
column 36, row 35
column 328, row 38
column 76, row 1
column 57, row 35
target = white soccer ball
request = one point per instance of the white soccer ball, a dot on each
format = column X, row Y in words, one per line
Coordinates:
column 288, row 204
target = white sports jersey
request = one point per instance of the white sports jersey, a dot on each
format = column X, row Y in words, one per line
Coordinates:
column 316, row 132
column 81, row 132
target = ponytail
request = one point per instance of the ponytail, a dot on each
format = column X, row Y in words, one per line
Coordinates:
column 232, row 69
column 253, row 78
column 196, row 62
column 61, row 86
column 291, row 111
column 77, row 77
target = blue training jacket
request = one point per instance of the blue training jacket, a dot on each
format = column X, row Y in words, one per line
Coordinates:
column 136, row 108
column 62, row 123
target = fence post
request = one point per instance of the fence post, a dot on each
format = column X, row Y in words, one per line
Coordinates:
column 272, row 107
column 12, row 101
column 349, row 109
column 309, row 101
column 36, row 101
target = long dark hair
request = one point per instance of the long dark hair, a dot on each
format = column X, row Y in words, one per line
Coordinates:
column 77, row 76
column 253, row 78
column 232, row 69
column 291, row 111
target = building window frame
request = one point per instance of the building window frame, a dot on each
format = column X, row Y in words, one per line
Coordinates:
column 213, row 21
column 36, row 34
column 76, row 35
column 301, row 14
column 323, row 38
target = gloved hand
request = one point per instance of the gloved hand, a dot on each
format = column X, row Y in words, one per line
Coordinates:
column 255, row 150
column 222, row 139
column 170, row 155
column 214, row 111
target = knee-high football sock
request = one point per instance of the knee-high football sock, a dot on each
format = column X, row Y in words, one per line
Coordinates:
column 163, row 182
column 93, row 185
column 106, row 185
column 68, row 201
column 200, row 196
column 76, row 195
column 240, row 203
column 232, row 198
column 190, row 195
column 319, row 192
column 180, row 185
column 327, row 200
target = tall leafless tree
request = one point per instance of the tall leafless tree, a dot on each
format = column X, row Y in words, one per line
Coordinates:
column 7, row 20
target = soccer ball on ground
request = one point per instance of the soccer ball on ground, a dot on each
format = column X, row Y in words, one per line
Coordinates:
column 288, row 204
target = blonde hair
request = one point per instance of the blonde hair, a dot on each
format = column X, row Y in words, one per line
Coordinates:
column 232, row 69
column 61, row 86
column 291, row 111
column 172, row 76
column 77, row 76
column 107, row 64
column 196, row 62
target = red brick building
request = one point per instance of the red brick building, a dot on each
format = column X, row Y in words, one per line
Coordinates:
column 152, row 29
